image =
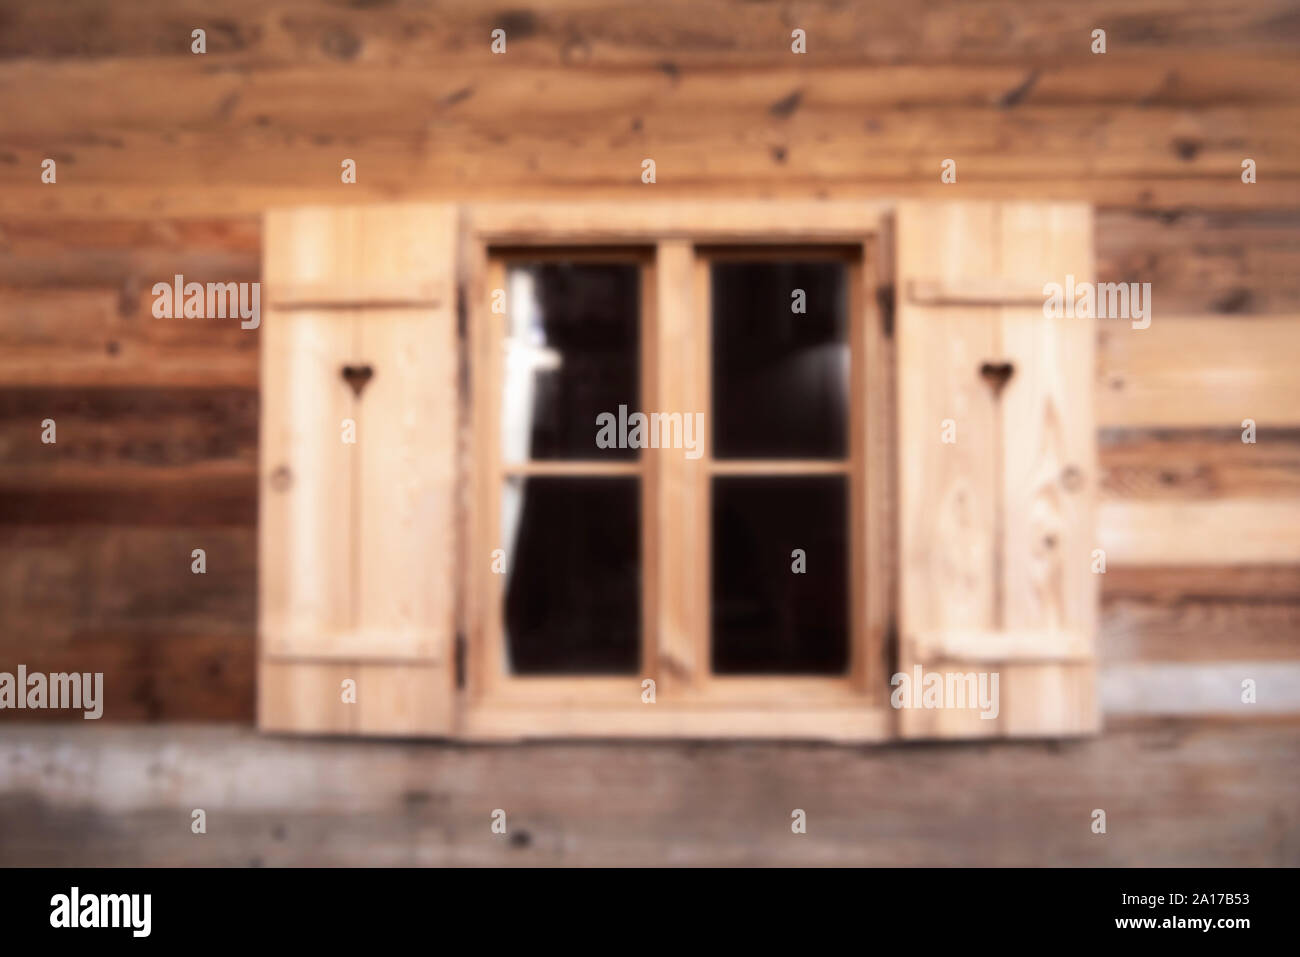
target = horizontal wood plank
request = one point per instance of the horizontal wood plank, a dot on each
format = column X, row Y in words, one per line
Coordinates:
column 127, row 255
column 1205, row 262
column 671, row 34
column 126, row 427
column 1183, row 372
column 1173, row 792
column 703, row 147
column 62, row 584
column 1193, row 688
column 131, row 201
column 176, row 677
column 77, row 304
column 1198, row 465
column 1214, row 613
column 201, row 497
column 1234, row 531
column 172, row 645
column 318, row 100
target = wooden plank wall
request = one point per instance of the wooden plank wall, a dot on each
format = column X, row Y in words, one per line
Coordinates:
column 1176, row 794
column 165, row 160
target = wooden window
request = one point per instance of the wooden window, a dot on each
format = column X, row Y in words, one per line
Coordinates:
column 566, row 584
column 784, row 410
column 576, row 573
column 732, row 645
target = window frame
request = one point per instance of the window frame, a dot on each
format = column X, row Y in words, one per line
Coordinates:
column 485, row 658
column 690, row 700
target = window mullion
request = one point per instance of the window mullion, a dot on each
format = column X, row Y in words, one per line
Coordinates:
column 679, row 499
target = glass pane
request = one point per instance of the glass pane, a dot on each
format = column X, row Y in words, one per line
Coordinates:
column 780, row 376
column 573, row 575
column 572, row 352
column 768, row 616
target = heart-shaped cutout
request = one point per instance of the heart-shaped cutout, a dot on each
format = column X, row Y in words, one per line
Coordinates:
column 997, row 375
column 357, row 377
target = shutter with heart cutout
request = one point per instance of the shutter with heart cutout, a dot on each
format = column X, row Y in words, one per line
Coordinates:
column 358, row 471
column 998, row 473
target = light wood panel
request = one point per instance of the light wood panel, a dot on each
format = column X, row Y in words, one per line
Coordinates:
column 680, row 361
column 358, row 538
column 307, row 483
column 997, row 521
column 1190, row 372
column 1199, row 497
column 1228, row 532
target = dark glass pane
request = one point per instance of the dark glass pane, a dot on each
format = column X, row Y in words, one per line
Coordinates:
column 767, row 618
column 572, row 352
column 573, row 585
column 780, row 378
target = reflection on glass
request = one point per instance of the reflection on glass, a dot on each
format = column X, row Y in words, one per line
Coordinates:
column 769, row 618
column 573, row 579
column 780, row 376
column 572, row 352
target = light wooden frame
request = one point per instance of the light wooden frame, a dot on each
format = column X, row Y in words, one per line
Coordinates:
column 690, row 702
column 485, row 670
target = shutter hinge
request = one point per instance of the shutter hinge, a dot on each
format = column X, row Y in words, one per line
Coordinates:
column 458, row 654
column 885, row 300
column 889, row 651
column 462, row 311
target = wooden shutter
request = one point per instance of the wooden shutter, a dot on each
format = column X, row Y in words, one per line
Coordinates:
column 357, row 540
column 996, row 528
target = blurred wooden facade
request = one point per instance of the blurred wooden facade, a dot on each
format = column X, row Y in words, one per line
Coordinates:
column 166, row 160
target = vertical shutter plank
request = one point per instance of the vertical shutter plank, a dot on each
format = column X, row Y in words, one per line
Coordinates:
column 304, row 697
column 946, row 491
column 406, row 430
column 404, row 698
column 1049, row 429
column 306, row 471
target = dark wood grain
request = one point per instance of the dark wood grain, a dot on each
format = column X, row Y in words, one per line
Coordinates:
column 1205, row 263
column 173, row 645
column 1199, row 464
column 676, row 32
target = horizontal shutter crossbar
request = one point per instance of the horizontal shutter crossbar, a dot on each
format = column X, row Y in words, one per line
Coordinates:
column 1012, row 645
column 993, row 291
column 356, row 645
column 357, row 295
